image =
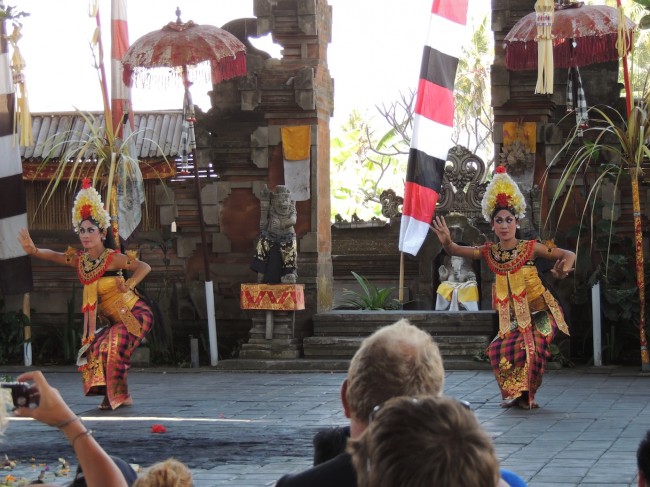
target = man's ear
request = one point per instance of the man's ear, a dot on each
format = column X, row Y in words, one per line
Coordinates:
column 344, row 398
column 641, row 482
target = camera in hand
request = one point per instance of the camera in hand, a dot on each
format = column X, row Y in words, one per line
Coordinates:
column 20, row 393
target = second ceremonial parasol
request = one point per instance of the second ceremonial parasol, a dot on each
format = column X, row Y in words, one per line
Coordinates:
column 181, row 48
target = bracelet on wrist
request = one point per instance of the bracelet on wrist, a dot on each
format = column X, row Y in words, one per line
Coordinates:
column 63, row 424
column 83, row 433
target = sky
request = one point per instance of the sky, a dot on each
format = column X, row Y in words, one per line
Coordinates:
column 375, row 52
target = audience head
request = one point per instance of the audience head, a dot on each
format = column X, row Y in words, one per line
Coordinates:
column 170, row 473
column 643, row 460
column 396, row 360
column 328, row 443
column 424, row 441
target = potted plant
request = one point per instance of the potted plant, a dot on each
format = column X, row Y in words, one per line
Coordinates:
column 370, row 297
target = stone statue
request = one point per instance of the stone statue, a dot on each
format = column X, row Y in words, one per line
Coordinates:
column 458, row 288
column 276, row 251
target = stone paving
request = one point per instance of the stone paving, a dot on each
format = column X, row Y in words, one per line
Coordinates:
column 248, row 429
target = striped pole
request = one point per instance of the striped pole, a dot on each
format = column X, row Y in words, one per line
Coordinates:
column 433, row 121
column 129, row 190
column 120, row 93
column 15, row 265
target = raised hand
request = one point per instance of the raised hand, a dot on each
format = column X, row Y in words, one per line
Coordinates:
column 439, row 226
column 558, row 271
column 51, row 409
column 26, row 241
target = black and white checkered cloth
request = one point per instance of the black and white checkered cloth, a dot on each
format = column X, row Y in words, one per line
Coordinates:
column 575, row 98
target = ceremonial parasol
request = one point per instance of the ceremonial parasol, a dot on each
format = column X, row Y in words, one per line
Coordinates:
column 186, row 47
column 582, row 35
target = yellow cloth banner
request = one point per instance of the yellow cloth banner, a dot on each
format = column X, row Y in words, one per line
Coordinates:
column 524, row 132
column 296, row 142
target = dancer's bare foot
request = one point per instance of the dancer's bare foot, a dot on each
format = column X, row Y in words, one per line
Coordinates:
column 527, row 404
column 522, row 402
column 510, row 404
column 105, row 405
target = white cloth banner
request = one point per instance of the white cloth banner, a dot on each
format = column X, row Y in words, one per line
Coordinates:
column 296, row 178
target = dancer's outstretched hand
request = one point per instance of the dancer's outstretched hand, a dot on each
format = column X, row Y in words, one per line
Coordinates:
column 26, row 242
column 558, row 271
column 439, row 226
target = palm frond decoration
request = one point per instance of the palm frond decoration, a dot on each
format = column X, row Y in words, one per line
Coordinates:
column 612, row 150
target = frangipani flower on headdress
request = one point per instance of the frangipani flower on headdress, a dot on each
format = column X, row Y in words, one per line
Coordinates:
column 503, row 193
column 88, row 206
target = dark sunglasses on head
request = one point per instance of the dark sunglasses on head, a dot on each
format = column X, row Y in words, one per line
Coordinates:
column 415, row 400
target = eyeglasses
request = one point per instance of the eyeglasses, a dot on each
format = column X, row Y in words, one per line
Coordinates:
column 416, row 400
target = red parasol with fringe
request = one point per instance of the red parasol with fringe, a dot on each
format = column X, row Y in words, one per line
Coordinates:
column 185, row 46
column 582, row 35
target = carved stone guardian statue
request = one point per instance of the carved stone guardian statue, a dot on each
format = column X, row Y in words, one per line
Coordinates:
column 276, row 251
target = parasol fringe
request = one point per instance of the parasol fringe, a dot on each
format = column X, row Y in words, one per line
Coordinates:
column 588, row 50
column 544, row 10
column 228, row 68
column 203, row 73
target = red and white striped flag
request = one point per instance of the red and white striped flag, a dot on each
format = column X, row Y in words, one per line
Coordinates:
column 130, row 188
column 433, row 121
column 120, row 93
column 15, row 265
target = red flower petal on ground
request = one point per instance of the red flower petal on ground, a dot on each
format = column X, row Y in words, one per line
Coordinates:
column 158, row 428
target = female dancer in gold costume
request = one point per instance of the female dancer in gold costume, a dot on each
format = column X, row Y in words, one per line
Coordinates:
column 529, row 314
column 116, row 318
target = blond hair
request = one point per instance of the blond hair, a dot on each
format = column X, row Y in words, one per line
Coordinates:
column 169, row 473
column 424, row 441
column 397, row 360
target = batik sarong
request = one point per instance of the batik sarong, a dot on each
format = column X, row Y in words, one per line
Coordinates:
column 109, row 357
column 519, row 358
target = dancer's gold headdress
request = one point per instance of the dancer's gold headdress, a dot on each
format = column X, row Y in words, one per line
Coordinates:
column 503, row 194
column 88, row 206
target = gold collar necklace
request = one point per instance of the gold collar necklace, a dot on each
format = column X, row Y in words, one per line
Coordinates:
column 512, row 248
column 90, row 269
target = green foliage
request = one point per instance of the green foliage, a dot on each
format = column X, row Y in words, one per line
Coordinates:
column 610, row 263
column 70, row 336
column 371, row 155
column 363, row 165
column 558, row 356
column 370, row 296
column 9, row 13
column 11, row 335
column 473, row 117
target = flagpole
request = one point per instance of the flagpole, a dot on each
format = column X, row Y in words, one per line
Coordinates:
column 400, row 292
column 27, row 333
column 209, row 289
